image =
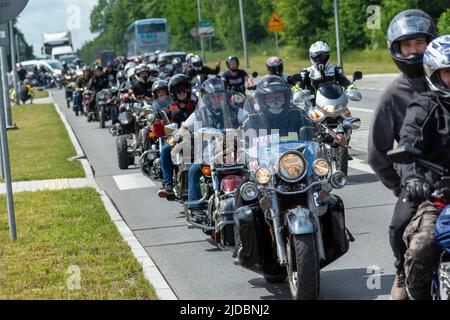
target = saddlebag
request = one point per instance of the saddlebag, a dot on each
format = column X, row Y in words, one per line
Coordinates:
column 334, row 232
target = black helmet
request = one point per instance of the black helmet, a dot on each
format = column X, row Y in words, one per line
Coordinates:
column 159, row 85
column 409, row 24
column 98, row 68
column 210, row 87
column 197, row 61
column 180, row 83
column 270, row 85
column 275, row 66
column 121, row 76
column 230, row 59
column 176, row 62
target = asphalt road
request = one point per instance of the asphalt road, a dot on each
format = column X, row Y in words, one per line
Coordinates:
column 196, row 269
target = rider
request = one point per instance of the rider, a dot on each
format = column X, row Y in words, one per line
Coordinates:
column 99, row 81
column 217, row 113
column 426, row 127
column 408, row 34
column 235, row 78
column 275, row 67
column 160, row 89
column 177, row 67
column 182, row 108
column 162, row 67
column 199, row 69
column 121, row 81
column 321, row 70
column 145, row 76
column 111, row 72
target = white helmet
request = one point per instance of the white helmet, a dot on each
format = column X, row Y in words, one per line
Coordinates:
column 319, row 54
column 435, row 58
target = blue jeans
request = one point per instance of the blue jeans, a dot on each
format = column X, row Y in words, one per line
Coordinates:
column 114, row 111
column 166, row 165
column 194, row 191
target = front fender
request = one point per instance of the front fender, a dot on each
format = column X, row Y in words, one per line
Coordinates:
column 300, row 221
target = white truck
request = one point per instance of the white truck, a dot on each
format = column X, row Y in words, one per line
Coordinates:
column 58, row 52
column 54, row 40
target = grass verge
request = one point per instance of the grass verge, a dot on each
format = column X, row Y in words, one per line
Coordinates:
column 60, row 232
column 40, row 147
column 40, row 94
column 367, row 61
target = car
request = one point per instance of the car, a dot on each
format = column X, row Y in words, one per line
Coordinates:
column 169, row 56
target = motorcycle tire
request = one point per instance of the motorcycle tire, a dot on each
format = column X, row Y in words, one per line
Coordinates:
column 122, row 152
column 102, row 116
column 303, row 267
column 342, row 160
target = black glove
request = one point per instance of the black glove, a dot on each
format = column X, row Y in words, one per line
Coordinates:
column 397, row 191
column 417, row 190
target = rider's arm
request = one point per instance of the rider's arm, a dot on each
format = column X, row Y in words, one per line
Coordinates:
column 341, row 78
column 381, row 140
column 415, row 131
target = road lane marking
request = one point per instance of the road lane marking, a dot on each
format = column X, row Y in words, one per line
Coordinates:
column 133, row 181
column 361, row 110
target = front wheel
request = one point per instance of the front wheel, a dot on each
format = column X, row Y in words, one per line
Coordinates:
column 303, row 267
column 102, row 116
column 342, row 160
column 122, row 152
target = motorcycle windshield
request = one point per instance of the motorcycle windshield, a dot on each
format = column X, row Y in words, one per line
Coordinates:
column 273, row 125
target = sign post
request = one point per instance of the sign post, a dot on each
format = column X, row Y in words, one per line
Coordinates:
column 201, row 38
column 8, row 11
column 275, row 25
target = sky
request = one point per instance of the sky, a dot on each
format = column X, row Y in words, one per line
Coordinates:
column 46, row 16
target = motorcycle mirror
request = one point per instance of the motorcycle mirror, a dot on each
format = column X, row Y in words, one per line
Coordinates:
column 352, row 123
column 404, row 154
column 353, row 95
column 301, row 96
column 254, row 74
column 357, row 75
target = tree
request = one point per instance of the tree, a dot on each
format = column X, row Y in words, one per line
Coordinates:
column 444, row 22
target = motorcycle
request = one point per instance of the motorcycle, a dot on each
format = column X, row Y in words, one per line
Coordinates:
column 152, row 140
column 107, row 105
column 89, row 105
column 329, row 108
column 69, row 86
column 440, row 286
column 288, row 223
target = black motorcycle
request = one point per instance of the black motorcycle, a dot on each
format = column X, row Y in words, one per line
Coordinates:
column 289, row 224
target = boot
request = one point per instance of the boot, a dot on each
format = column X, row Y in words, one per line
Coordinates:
column 398, row 291
column 166, row 191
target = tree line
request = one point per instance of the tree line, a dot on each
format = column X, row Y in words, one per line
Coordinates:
column 305, row 21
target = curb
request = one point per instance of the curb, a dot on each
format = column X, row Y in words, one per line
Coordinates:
column 151, row 271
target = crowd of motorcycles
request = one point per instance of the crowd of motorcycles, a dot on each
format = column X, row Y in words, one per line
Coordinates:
column 278, row 217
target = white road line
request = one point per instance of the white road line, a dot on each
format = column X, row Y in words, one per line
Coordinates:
column 133, row 181
column 361, row 110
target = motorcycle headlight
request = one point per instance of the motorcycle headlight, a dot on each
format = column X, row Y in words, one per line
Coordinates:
column 249, row 191
column 263, row 175
column 329, row 108
column 315, row 114
column 321, row 168
column 291, row 166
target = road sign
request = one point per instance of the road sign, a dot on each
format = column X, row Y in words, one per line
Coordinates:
column 206, row 28
column 193, row 32
column 275, row 23
column 10, row 9
column 4, row 35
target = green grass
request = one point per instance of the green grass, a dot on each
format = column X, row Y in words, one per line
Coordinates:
column 59, row 229
column 40, row 94
column 367, row 61
column 40, row 147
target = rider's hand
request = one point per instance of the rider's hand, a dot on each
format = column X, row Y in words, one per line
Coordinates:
column 218, row 62
column 417, row 190
column 341, row 140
